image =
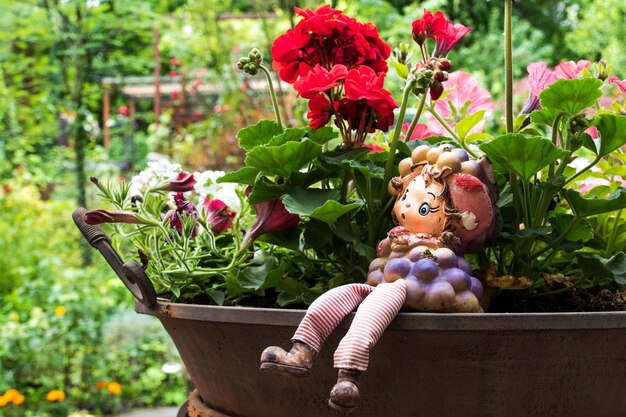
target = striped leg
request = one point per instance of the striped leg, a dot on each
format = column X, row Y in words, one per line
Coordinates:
column 370, row 321
column 327, row 312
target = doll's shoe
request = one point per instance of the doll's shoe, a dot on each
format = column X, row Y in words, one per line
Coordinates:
column 297, row 362
column 345, row 394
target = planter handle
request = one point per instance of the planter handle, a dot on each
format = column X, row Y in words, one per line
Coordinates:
column 131, row 273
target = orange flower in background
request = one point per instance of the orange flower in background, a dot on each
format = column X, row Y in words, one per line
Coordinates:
column 114, row 388
column 55, row 395
column 101, row 384
column 59, row 310
column 12, row 396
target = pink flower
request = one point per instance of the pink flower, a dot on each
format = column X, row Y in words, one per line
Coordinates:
column 593, row 132
column 271, row 217
column 123, row 111
column 174, row 95
column 570, row 69
column 621, row 84
column 219, row 216
column 463, row 88
column 184, row 209
column 103, row 216
column 184, row 181
column 374, row 148
column 454, row 33
column 173, row 73
column 175, row 62
column 421, row 131
column 540, row 77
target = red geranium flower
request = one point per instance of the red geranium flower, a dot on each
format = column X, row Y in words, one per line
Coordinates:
column 321, row 111
column 362, row 83
column 327, row 37
column 430, row 26
column 320, row 80
column 454, row 33
column 219, row 216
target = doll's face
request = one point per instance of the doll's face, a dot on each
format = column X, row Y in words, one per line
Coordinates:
column 420, row 207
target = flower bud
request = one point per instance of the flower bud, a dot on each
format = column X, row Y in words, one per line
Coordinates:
column 603, row 70
column 251, row 63
column 401, row 53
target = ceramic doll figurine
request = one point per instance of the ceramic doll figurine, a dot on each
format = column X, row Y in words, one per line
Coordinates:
column 444, row 208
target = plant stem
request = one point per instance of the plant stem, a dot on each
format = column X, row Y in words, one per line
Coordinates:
column 396, row 135
column 613, row 236
column 508, row 64
column 559, row 239
column 420, row 109
column 270, row 83
column 588, row 167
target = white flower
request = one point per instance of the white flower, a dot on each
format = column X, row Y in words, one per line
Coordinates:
column 159, row 169
column 207, row 185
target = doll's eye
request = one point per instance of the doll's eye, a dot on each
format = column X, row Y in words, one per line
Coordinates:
column 405, row 194
column 424, row 209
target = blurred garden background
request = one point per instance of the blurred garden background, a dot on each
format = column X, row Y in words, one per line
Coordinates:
column 100, row 87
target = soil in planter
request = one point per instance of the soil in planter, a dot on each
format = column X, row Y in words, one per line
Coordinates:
column 575, row 300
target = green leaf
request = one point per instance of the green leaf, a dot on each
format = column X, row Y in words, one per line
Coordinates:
column 466, row 124
column 523, row 155
column 597, row 267
column 571, row 96
column 544, row 116
column 476, row 136
column 612, row 129
column 264, row 190
column 285, row 159
column 367, row 168
column 216, row 295
column 245, row 175
column 264, row 274
column 582, row 232
column 317, row 204
column 258, row 134
column 322, row 135
column 336, row 157
column 584, row 207
column 289, row 135
column 401, row 69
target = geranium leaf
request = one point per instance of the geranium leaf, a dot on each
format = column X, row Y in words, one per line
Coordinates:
column 264, row 190
column 216, row 295
column 322, row 135
column 258, row 134
column 289, row 135
column 476, row 136
column 317, row 204
column 612, row 129
column 544, row 116
column 597, row 267
column 245, row 175
column 582, row 232
column 584, row 207
column 284, row 159
column 367, row 168
column 466, row 124
column 522, row 155
column 571, row 96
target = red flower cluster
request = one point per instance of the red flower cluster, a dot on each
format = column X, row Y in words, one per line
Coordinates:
column 446, row 34
column 327, row 37
column 327, row 51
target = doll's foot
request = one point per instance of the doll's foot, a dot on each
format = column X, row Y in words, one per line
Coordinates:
column 345, row 394
column 297, row 362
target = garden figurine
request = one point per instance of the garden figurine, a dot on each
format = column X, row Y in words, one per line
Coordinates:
column 444, row 208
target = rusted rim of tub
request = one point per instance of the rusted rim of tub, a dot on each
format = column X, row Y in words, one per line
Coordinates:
column 164, row 309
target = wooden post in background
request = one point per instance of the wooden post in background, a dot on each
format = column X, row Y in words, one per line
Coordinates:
column 106, row 110
column 157, row 75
